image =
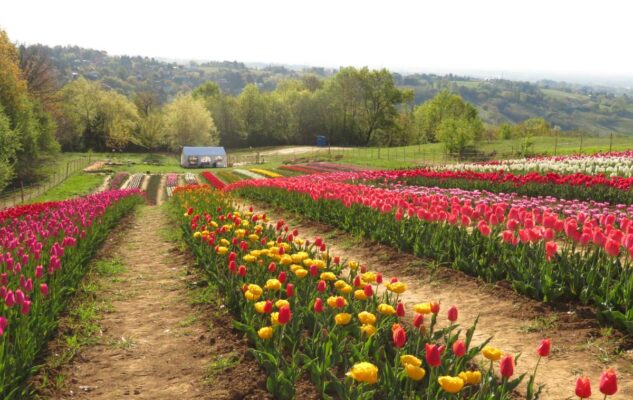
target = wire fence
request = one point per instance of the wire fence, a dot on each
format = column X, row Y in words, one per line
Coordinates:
column 26, row 194
column 434, row 153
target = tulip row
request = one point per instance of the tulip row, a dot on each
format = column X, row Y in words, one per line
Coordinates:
column 545, row 256
column 118, row 180
column 610, row 164
column 265, row 172
column 306, row 311
column 615, row 190
column 43, row 254
column 213, row 180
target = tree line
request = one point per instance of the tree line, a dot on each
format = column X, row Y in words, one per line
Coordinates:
column 353, row 107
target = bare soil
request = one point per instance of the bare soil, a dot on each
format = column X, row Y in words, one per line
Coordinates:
column 155, row 342
column 515, row 323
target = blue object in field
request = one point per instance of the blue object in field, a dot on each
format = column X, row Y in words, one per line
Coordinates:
column 321, row 141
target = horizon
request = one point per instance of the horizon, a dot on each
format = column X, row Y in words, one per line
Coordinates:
column 401, row 38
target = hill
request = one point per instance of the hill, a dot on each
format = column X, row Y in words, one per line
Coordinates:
column 592, row 109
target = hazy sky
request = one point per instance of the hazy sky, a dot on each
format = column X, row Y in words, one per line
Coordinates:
column 552, row 36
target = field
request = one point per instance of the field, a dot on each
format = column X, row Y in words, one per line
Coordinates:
column 325, row 275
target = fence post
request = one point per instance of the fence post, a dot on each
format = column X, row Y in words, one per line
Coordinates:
column 611, row 142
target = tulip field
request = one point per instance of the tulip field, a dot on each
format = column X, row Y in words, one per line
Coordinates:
column 45, row 247
column 306, row 310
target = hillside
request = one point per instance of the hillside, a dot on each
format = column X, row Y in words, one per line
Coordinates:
column 595, row 110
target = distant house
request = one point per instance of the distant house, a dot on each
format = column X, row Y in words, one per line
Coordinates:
column 201, row 157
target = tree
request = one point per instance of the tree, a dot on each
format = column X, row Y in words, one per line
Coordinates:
column 8, row 147
column 96, row 119
column 189, row 123
column 151, row 132
column 252, row 111
column 429, row 115
column 459, row 135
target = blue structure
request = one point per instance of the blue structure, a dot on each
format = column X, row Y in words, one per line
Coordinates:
column 203, row 157
column 321, row 141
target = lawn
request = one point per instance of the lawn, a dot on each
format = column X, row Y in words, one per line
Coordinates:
column 76, row 185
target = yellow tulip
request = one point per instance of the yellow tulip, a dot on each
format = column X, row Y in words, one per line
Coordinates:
column 369, row 277
column 328, row 276
column 342, row 318
column 265, row 332
column 353, row 265
column 301, row 273
column 222, row 250
column 319, row 263
column 196, row 235
column 396, row 287
column 273, row 285
column 451, row 384
column 274, row 318
column 249, row 258
column 471, row 377
column 414, row 372
column 360, row 295
column 281, row 302
column 422, row 308
column 295, row 267
column 259, row 306
column 368, row 329
column 409, row 359
column 364, row 372
column 386, row 309
column 331, row 301
column 491, row 353
column 255, row 289
column 286, row 259
column 347, row 289
column 366, row 318
column 224, row 242
column 338, row 284
column 253, row 237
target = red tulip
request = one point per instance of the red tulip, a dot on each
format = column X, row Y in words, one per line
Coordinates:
column 433, row 355
column 290, row 290
column 399, row 335
column 340, row 302
column 44, row 289
column 314, row 270
column 506, row 366
column 268, row 307
column 318, row 305
column 368, row 290
column 272, row 267
column 418, row 320
column 400, row 310
column 284, row 315
column 379, row 277
column 544, row 348
column 435, row 307
column 242, row 271
column 321, row 285
column 612, row 247
column 282, row 277
column 583, row 387
column 452, row 314
column 357, row 281
column 232, row 256
column 459, row 348
column 608, row 382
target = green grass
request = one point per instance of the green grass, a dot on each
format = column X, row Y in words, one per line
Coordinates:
column 76, row 185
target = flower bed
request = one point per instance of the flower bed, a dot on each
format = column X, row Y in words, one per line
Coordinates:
column 135, row 181
column 307, row 311
column 584, row 257
column 265, row 172
column 213, row 180
column 43, row 253
column 118, row 180
column 610, row 164
column 191, row 179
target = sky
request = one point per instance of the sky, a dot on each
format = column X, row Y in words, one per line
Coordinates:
column 546, row 37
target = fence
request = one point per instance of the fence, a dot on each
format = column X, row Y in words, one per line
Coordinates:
column 435, row 153
column 28, row 193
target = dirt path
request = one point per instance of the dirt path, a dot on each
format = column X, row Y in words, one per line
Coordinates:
column 516, row 323
column 155, row 343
